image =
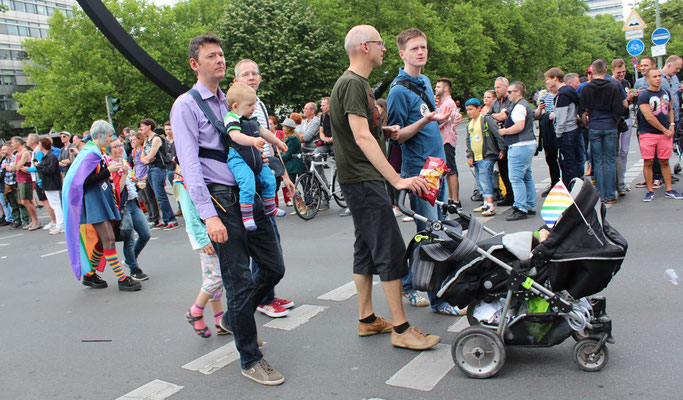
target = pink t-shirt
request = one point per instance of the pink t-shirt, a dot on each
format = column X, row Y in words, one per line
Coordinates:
column 448, row 128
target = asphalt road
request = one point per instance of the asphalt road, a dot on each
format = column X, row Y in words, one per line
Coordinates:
column 61, row 340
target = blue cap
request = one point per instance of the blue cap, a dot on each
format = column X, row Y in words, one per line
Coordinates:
column 473, row 102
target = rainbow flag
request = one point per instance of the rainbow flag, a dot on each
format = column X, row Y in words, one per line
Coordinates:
column 557, row 201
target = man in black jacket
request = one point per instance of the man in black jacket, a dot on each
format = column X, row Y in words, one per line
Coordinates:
column 601, row 106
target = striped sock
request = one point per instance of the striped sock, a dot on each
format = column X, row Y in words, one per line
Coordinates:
column 248, row 216
column 196, row 311
column 113, row 261
column 218, row 317
column 90, row 273
column 96, row 256
column 271, row 209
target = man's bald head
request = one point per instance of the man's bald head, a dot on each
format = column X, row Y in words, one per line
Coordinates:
column 357, row 36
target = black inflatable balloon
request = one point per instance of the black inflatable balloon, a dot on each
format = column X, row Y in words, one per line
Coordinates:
column 126, row 45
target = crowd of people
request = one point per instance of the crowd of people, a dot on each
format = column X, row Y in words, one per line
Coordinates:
column 226, row 159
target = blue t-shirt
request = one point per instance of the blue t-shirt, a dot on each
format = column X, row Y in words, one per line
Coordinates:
column 659, row 103
column 622, row 90
column 405, row 108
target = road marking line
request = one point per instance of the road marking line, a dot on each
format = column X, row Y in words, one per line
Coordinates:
column 298, row 316
column 342, row 293
column 155, row 390
column 11, row 236
column 217, row 359
column 424, row 371
column 154, row 238
column 459, row 325
column 53, row 253
column 632, row 174
column 62, row 242
column 5, row 244
column 546, row 181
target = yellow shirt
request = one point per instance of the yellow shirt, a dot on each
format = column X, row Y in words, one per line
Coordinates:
column 476, row 138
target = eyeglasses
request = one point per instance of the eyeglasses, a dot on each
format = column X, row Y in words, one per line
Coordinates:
column 380, row 42
column 118, row 146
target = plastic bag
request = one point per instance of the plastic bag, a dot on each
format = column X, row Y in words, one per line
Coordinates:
column 432, row 172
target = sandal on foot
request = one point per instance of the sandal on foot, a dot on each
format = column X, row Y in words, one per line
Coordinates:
column 202, row 332
column 220, row 331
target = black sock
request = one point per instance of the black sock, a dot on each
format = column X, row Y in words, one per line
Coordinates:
column 369, row 319
column 402, row 328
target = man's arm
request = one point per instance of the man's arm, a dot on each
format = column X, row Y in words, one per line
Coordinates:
column 149, row 158
column 369, row 147
column 409, row 131
column 646, row 110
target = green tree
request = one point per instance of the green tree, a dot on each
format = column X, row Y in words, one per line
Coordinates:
column 76, row 67
column 288, row 41
column 671, row 15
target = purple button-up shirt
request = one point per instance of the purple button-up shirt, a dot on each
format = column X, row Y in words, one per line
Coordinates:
column 192, row 130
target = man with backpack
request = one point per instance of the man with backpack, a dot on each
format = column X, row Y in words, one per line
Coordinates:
column 411, row 104
column 196, row 119
column 155, row 155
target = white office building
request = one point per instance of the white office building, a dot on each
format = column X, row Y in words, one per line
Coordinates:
column 611, row 7
column 23, row 19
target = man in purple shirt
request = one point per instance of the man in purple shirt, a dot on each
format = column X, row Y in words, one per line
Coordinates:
column 214, row 192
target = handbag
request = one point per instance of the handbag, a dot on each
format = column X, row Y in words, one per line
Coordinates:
column 276, row 165
column 622, row 126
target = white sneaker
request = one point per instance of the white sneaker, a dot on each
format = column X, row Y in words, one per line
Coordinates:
column 56, row 230
column 407, row 219
column 48, row 226
column 397, row 213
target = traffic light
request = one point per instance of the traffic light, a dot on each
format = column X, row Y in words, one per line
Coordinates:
column 112, row 106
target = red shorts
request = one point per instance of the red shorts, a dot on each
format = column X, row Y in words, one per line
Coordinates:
column 651, row 143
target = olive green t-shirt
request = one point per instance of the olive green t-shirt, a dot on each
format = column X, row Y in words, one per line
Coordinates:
column 352, row 95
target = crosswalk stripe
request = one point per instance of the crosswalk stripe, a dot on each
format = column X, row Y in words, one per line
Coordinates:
column 342, row 293
column 298, row 316
column 155, row 390
column 459, row 325
column 53, row 253
column 217, row 359
column 424, row 371
column 11, row 236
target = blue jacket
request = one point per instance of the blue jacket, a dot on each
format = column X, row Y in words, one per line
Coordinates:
column 406, row 108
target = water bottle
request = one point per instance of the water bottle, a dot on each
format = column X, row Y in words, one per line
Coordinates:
column 671, row 276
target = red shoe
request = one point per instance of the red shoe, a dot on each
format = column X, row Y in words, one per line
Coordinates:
column 284, row 303
column 273, row 310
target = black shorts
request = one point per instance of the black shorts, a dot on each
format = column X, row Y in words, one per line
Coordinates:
column 40, row 193
column 450, row 158
column 379, row 246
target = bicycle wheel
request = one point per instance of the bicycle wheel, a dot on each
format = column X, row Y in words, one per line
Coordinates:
column 307, row 197
column 337, row 193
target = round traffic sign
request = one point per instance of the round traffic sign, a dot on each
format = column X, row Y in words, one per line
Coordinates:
column 635, row 47
column 661, row 36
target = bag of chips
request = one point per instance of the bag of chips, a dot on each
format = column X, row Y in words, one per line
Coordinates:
column 432, row 172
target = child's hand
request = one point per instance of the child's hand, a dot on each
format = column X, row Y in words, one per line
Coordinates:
column 259, row 143
column 470, row 162
column 282, row 147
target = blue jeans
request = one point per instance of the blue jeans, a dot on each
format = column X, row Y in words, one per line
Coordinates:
column 270, row 296
column 156, row 177
column 484, row 172
column 604, row 153
column 243, row 291
column 519, row 170
column 133, row 219
column 246, row 179
column 425, row 209
column 570, row 156
column 6, row 207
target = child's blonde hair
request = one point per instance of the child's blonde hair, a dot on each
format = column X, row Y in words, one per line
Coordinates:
column 240, row 92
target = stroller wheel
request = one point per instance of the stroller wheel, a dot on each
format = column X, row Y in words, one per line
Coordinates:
column 579, row 335
column 584, row 357
column 677, row 169
column 478, row 352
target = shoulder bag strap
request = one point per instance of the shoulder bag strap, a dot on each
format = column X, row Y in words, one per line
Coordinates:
column 217, row 124
column 418, row 92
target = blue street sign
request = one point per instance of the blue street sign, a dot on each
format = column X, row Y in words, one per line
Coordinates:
column 661, row 36
column 635, row 47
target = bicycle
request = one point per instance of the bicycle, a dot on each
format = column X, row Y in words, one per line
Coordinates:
column 311, row 187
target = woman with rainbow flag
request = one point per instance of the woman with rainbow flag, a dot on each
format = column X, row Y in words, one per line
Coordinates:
column 90, row 209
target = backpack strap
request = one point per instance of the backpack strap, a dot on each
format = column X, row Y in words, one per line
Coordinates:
column 217, row 124
column 420, row 93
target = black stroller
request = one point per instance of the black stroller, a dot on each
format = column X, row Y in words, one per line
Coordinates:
column 520, row 290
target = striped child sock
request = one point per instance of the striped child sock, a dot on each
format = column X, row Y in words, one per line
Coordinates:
column 271, row 209
column 218, row 317
column 248, row 216
column 113, row 261
column 196, row 311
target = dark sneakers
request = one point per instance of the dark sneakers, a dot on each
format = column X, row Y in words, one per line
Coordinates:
column 94, row 281
column 138, row 275
column 516, row 215
column 129, row 285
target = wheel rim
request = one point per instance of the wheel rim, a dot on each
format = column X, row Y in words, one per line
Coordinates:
column 337, row 193
column 478, row 354
column 586, row 358
column 307, row 201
